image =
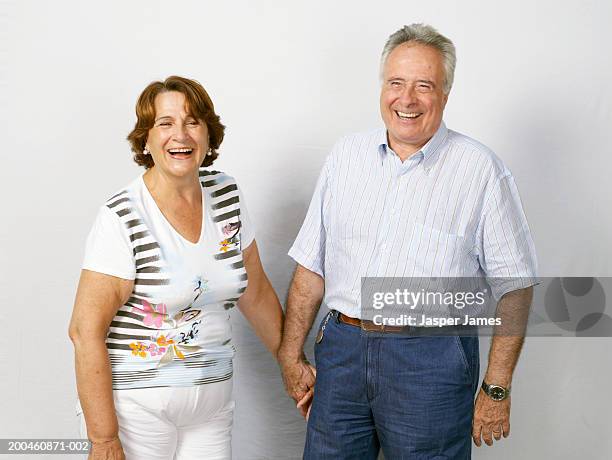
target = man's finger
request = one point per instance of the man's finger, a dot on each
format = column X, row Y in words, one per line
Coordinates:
column 312, row 369
column 298, row 393
column 476, row 434
column 302, row 387
column 308, row 377
column 506, row 428
column 497, row 433
column 486, row 435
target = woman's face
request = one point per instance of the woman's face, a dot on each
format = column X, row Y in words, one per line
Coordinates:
column 177, row 141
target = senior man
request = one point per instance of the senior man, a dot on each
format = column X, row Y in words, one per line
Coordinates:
column 414, row 199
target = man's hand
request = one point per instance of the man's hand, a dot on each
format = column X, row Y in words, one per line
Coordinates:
column 491, row 419
column 299, row 378
column 303, row 300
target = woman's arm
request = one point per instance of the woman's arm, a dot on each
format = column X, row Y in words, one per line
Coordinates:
column 259, row 303
column 98, row 298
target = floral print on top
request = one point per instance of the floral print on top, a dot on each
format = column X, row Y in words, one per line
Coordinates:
column 165, row 346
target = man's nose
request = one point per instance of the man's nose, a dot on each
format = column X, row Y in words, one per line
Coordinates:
column 408, row 95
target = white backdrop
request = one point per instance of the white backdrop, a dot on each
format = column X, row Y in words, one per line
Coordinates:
column 288, row 78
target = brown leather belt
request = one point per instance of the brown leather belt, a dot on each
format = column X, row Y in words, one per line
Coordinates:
column 369, row 325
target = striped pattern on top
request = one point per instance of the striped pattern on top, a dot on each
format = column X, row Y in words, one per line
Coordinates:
column 450, row 210
column 225, row 203
column 152, row 286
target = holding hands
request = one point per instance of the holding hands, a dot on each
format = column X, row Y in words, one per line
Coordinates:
column 299, row 378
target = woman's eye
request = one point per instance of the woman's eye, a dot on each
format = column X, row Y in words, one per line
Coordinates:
column 164, row 123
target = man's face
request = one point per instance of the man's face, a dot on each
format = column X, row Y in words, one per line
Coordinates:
column 412, row 96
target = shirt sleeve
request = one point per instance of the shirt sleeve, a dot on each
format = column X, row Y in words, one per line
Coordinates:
column 108, row 249
column 308, row 250
column 247, row 229
column 506, row 250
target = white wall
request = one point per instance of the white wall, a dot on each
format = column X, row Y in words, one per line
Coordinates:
column 533, row 81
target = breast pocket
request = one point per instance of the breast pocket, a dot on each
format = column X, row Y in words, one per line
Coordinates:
column 439, row 254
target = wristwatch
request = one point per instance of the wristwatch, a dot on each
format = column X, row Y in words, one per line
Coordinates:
column 495, row 392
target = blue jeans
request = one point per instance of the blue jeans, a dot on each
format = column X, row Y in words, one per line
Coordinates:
column 412, row 396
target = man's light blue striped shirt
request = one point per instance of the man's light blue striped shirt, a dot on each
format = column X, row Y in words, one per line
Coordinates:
column 451, row 210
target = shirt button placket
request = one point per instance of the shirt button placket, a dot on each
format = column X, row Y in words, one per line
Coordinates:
column 389, row 221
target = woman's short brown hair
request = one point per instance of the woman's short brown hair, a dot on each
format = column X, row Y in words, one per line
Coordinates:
column 199, row 104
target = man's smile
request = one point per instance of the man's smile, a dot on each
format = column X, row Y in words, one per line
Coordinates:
column 408, row 115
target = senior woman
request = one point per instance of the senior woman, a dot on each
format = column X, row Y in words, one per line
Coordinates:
column 166, row 258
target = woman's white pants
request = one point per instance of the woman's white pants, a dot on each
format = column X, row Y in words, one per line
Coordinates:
column 181, row 423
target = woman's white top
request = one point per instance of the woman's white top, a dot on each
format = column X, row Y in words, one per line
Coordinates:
column 174, row 329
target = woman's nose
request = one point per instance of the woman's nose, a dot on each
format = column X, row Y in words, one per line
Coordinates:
column 180, row 132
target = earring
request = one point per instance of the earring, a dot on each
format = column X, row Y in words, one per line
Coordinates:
column 146, row 152
column 209, row 153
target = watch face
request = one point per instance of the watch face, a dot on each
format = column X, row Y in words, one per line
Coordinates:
column 497, row 393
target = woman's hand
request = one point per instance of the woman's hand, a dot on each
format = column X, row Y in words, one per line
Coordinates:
column 106, row 450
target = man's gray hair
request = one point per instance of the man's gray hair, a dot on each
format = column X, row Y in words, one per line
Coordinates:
column 425, row 35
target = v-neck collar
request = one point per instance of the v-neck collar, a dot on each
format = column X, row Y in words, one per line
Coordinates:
column 164, row 219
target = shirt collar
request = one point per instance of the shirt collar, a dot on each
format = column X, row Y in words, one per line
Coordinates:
column 429, row 151
column 381, row 142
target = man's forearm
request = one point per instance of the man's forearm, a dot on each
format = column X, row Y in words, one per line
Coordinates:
column 507, row 342
column 303, row 302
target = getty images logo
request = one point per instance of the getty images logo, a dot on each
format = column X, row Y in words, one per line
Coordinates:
column 577, row 305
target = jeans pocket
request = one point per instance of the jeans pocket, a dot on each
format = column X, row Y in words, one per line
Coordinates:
column 324, row 348
column 322, row 326
column 467, row 364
